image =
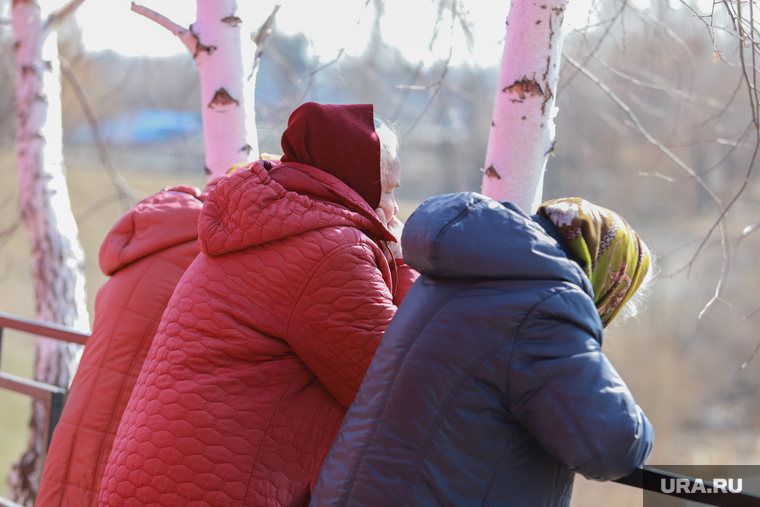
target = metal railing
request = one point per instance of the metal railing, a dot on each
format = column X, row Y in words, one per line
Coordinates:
column 646, row 478
column 53, row 396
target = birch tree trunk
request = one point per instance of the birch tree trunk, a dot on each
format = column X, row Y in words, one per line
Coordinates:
column 522, row 125
column 57, row 255
column 224, row 54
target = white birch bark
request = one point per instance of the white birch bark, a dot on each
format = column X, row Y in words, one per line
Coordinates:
column 224, row 54
column 57, row 255
column 522, row 125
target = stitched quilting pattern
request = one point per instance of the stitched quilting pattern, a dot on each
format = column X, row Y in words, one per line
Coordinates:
column 262, row 348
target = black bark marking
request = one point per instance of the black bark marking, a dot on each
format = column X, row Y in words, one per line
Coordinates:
column 547, row 97
column 222, row 98
column 524, row 88
column 232, row 21
column 491, row 173
column 199, row 46
column 247, row 149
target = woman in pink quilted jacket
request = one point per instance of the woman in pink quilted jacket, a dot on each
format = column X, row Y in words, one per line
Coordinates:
column 145, row 254
column 268, row 335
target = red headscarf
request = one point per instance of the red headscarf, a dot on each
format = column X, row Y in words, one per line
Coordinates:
column 339, row 140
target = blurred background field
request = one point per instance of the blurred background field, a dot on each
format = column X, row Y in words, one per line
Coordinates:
column 684, row 370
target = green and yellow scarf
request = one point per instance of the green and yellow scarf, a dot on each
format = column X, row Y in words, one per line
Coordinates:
column 610, row 253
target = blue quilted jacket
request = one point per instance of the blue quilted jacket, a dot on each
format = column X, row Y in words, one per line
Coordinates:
column 489, row 387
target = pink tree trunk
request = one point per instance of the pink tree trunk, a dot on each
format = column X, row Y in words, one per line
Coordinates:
column 522, row 125
column 225, row 58
column 57, row 255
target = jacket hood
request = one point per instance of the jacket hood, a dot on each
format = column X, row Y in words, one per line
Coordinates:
column 160, row 221
column 250, row 208
column 339, row 140
column 469, row 235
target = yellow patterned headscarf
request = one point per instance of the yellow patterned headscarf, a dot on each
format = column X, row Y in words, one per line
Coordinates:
column 610, row 253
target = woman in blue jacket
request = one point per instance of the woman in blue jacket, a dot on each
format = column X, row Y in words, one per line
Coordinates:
column 489, row 386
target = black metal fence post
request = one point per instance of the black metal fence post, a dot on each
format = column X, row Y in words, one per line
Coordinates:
column 57, row 402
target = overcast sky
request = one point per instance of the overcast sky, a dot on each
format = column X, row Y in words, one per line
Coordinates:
column 329, row 25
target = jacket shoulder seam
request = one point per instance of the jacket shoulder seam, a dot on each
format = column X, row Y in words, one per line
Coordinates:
column 307, row 280
column 436, row 243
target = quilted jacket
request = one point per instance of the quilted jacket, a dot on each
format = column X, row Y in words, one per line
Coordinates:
column 489, row 387
column 145, row 254
column 262, row 348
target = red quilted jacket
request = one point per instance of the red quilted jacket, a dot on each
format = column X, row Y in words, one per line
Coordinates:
column 145, row 253
column 263, row 346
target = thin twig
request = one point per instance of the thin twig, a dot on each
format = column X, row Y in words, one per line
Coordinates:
column 667, row 89
column 710, row 30
column 260, row 38
column 95, row 207
column 436, row 89
column 723, row 271
column 719, row 221
column 730, row 13
column 57, row 17
column 127, row 194
column 724, row 109
column 660, row 23
column 332, row 62
column 683, row 165
column 7, row 233
column 188, row 38
column 593, row 51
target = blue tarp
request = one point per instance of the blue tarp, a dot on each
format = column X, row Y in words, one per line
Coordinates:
column 141, row 127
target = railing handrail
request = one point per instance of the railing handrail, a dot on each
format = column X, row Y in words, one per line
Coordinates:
column 43, row 328
column 4, row 502
column 53, row 396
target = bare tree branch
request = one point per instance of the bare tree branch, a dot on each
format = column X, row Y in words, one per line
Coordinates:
column 95, row 207
column 7, row 233
column 593, row 51
column 654, row 86
column 187, row 36
column 723, row 269
column 719, row 222
column 127, row 194
column 436, row 87
column 57, row 17
column 260, row 38
column 683, row 165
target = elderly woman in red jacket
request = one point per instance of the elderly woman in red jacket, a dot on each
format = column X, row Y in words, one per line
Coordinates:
column 269, row 334
column 145, row 255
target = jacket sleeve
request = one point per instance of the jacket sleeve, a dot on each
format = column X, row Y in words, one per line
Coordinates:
column 339, row 319
column 567, row 394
